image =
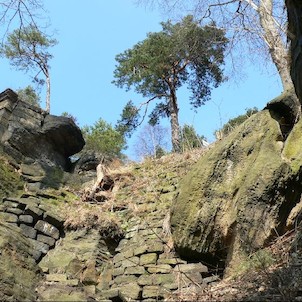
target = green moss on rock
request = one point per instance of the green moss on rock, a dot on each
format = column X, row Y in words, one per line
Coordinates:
column 236, row 195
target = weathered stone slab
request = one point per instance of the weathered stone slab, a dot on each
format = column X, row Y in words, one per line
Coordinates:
column 152, row 292
column 125, row 279
column 191, row 278
column 71, row 282
column 28, row 231
column 118, row 271
column 56, row 277
column 160, row 268
column 161, row 279
column 53, row 219
column 40, row 246
column 133, row 261
column 28, row 219
column 123, row 255
column 110, row 293
column 89, row 276
column 191, row 268
column 47, row 229
column 150, row 258
column 135, row 270
column 12, row 203
column 130, row 291
column 145, row 280
column 15, row 211
column 33, row 211
column 46, row 239
column 8, row 217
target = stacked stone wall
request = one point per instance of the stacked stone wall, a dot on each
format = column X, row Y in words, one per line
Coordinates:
column 42, row 227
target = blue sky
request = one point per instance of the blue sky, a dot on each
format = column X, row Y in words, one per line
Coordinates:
column 91, row 33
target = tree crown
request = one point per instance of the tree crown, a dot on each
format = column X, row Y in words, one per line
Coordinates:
column 182, row 53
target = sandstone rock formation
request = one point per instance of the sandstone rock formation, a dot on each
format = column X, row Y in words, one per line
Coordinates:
column 26, row 132
column 240, row 194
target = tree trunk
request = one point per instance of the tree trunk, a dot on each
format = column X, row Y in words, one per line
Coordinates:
column 175, row 131
column 47, row 109
column 277, row 48
column 294, row 10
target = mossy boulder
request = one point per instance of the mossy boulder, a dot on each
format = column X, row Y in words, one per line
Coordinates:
column 240, row 193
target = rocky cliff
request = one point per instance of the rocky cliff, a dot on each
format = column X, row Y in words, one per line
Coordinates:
column 240, row 195
column 29, row 135
column 221, row 223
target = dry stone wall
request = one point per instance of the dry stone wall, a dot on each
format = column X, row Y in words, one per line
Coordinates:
column 36, row 222
column 145, row 267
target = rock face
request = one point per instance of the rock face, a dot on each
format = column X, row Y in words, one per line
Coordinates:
column 240, row 194
column 26, row 132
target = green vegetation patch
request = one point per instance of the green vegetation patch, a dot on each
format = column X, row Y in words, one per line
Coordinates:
column 10, row 181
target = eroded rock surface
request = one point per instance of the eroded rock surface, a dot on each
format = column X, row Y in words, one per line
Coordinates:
column 27, row 132
column 240, row 194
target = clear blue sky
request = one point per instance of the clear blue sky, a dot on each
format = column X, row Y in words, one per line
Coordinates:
column 90, row 34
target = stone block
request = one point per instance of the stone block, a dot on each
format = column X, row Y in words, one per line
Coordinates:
column 33, row 211
column 40, row 246
column 8, row 217
column 152, row 292
column 15, row 211
column 27, row 219
column 125, row 279
column 47, row 229
column 123, row 255
column 12, row 203
column 172, row 261
column 53, row 219
column 104, row 279
column 135, row 270
column 150, row 258
column 142, row 249
column 46, row 239
column 118, row 271
column 28, row 231
column 161, row 279
column 159, row 269
column 133, row 261
column 89, row 276
column 191, row 268
column 155, row 247
column 191, row 278
column 145, row 280
column 56, row 277
column 111, row 294
column 130, row 291
column 71, row 282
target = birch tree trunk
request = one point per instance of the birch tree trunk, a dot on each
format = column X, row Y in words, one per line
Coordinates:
column 277, row 48
column 294, row 11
